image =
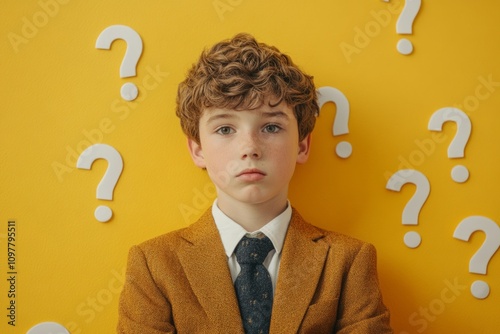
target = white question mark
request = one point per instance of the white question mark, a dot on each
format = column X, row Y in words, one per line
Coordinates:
column 479, row 262
column 48, row 328
column 340, row 124
column 413, row 207
column 456, row 149
column 128, row 91
column 107, row 185
column 405, row 25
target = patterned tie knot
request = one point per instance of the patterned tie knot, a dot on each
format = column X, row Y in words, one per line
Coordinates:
column 253, row 250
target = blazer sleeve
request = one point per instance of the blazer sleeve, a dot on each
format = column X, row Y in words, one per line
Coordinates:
column 361, row 310
column 143, row 308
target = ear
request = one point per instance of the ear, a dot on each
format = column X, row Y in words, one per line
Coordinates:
column 196, row 153
column 304, row 147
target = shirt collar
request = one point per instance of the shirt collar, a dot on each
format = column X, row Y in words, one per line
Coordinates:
column 231, row 232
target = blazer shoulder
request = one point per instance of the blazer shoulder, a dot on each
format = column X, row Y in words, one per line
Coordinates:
column 338, row 242
column 169, row 239
column 173, row 240
column 333, row 238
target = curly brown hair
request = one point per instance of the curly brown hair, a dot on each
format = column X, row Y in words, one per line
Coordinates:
column 241, row 73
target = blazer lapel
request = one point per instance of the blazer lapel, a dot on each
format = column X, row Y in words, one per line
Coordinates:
column 205, row 264
column 302, row 262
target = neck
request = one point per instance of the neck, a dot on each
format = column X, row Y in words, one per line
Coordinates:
column 252, row 216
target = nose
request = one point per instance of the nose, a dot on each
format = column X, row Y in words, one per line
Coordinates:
column 250, row 146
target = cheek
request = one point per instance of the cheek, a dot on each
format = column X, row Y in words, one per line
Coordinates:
column 285, row 155
column 220, row 164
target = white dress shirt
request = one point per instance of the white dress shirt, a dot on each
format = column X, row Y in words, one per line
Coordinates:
column 231, row 233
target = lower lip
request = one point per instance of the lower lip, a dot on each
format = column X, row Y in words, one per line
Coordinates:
column 252, row 176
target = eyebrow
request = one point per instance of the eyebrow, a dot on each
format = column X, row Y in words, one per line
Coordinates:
column 279, row 114
column 217, row 116
column 266, row 114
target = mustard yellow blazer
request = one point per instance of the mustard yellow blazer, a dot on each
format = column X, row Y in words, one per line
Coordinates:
column 180, row 283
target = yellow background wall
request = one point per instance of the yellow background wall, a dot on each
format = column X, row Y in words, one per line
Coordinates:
column 60, row 94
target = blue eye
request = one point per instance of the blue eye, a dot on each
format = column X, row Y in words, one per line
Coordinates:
column 272, row 128
column 224, row 130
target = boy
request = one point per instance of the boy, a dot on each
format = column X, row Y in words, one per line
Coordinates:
column 250, row 264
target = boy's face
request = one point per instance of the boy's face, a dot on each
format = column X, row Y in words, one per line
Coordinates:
column 250, row 155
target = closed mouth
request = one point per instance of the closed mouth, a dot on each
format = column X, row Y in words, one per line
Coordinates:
column 251, row 171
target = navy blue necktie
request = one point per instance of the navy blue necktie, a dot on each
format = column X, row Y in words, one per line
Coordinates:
column 254, row 288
